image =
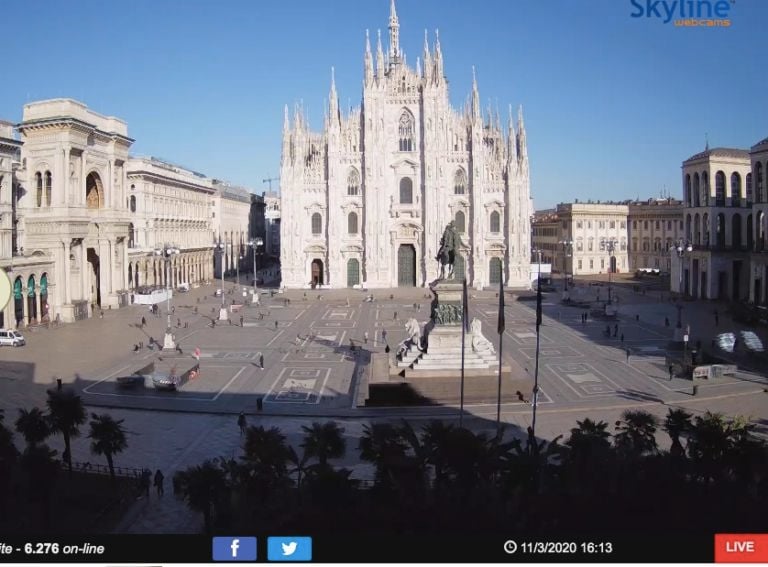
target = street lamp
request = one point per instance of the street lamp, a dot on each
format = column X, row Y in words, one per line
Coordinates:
column 167, row 252
column 609, row 245
column 255, row 243
column 681, row 248
column 221, row 247
column 567, row 252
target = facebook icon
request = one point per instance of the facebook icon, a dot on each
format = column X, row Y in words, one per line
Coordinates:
column 234, row 549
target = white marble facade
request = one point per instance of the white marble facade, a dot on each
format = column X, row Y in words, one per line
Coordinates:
column 365, row 201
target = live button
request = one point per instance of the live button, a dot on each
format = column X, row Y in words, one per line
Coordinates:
column 741, row 548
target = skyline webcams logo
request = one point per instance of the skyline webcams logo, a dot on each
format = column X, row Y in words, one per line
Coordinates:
column 685, row 13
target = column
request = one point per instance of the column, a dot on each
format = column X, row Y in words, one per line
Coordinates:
column 64, row 274
column 125, row 264
column 38, row 310
column 84, row 275
column 80, row 191
column 24, row 301
column 109, row 186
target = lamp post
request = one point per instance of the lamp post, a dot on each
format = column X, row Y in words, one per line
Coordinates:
column 221, row 247
column 609, row 245
column 681, row 248
column 255, row 243
column 167, row 252
column 567, row 252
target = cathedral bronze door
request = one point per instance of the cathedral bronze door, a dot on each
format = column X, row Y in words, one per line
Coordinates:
column 353, row 272
column 494, row 271
column 406, row 266
column 317, row 273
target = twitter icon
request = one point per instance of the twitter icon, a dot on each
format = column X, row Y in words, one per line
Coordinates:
column 289, row 548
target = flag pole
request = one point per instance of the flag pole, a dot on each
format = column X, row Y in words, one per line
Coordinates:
column 535, row 400
column 500, row 329
column 464, row 315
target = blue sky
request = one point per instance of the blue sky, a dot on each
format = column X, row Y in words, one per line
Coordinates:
column 613, row 104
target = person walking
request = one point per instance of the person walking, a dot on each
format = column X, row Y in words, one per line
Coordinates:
column 275, row 325
column 628, row 353
column 622, row 338
column 261, row 361
column 242, row 423
column 384, row 335
column 146, row 477
column 241, row 320
column 159, row 478
column 143, row 322
column 671, row 372
column 365, row 337
column 395, row 317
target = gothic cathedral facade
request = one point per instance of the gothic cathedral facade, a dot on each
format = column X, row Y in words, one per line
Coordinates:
column 365, row 201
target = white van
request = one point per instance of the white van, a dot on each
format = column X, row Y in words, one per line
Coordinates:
column 11, row 338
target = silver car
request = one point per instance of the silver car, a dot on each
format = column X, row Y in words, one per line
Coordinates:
column 751, row 342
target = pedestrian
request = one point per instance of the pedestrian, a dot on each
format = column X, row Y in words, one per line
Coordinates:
column 671, row 372
column 178, row 322
column 242, row 423
column 637, row 317
column 365, row 337
column 395, row 317
column 143, row 322
column 159, row 478
column 615, row 330
column 213, row 323
column 146, row 478
column 628, row 353
column 384, row 335
column 178, row 349
column 173, row 310
column 261, row 361
column 275, row 325
column 622, row 338
column 101, row 314
column 241, row 320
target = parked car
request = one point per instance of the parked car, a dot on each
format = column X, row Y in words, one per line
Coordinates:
column 9, row 337
column 751, row 342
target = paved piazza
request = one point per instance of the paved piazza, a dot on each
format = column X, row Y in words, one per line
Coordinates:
column 312, row 373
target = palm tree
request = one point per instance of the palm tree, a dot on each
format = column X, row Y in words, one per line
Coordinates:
column 33, row 425
column 203, row 487
column 108, row 438
column 8, row 456
column 266, row 453
column 677, row 424
column 324, row 441
column 589, row 441
column 67, row 415
column 299, row 465
column 636, row 433
column 434, row 439
column 383, row 445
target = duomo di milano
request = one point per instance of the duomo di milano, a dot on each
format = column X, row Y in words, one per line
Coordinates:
column 365, row 201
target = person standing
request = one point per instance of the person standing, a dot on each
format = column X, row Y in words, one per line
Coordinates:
column 241, row 320
column 143, row 322
column 159, row 478
column 365, row 337
column 671, row 372
column 242, row 423
column 261, row 361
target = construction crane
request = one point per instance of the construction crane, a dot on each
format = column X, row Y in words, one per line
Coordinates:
column 270, row 180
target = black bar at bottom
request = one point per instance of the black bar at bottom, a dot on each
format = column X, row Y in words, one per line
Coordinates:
column 434, row 548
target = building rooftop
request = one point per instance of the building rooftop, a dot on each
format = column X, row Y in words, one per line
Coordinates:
column 718, row 152
column 761, row 145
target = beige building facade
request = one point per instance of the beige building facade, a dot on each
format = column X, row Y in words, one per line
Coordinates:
column 81, row 223
column 654, row 227
column 758, row 178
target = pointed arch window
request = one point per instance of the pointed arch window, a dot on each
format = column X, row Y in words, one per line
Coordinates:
column 352, row 223
column 48, row 188
column 353, row 182
column 406, row 191
column 39, row 187
column 495, row 221
column 405, row 132
column 317, row 224
column 460, row 182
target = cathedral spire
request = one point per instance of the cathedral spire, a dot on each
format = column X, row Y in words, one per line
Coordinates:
column 333, row 100
column 438, row 58
column 522, row 144
column 394, row 34
column 476, row 116
column 427, row 60
column 379, row 58
column 511, row 139
column 368, row 60
column 286, row 122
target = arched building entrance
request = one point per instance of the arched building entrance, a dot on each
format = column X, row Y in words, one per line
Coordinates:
column 31, row 300
column 494, row 271
column 406, row 266
column 44, row 308
column 94, row 192
column 94, row 275
column 18, row 300
column 317, row 272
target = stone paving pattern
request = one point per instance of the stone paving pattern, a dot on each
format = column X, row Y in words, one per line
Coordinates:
column 310, row 372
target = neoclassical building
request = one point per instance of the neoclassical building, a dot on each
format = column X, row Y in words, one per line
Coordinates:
column 82, row 224
column 719, row 225
column 366, row 200
column 758, row 281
